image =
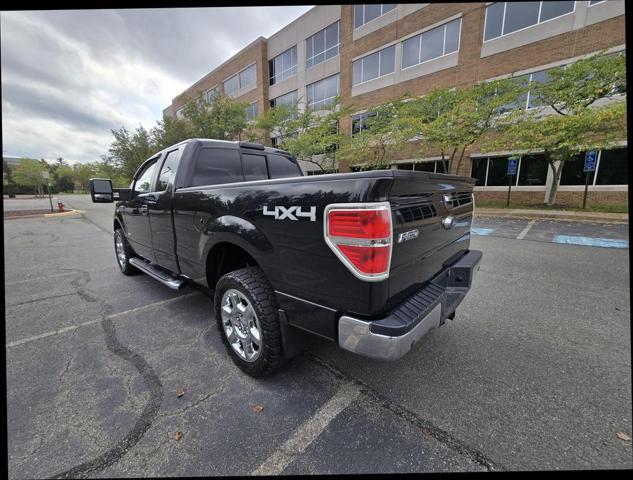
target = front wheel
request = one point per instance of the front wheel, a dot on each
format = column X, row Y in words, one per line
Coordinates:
column 123, row 253
column 248, row 319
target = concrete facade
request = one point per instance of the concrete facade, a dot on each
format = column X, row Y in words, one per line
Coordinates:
column 590, row 27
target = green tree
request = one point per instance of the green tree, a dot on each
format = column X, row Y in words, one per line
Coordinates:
column 63, row 180
column 28, row 174
column 451, row 120
column 82, row 173
column 282, row 122
column 130, row 149
column 577, row 124
column 310, row 135
column 221, row 118
column 170, row 131
column 376, row 146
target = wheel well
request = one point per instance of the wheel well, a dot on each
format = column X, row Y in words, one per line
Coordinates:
column 116, row 224
column 224, row 258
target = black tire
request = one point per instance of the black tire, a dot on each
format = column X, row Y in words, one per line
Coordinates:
column 125, row 266
column 252, row 283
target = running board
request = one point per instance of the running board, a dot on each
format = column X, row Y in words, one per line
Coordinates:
column 158, row 273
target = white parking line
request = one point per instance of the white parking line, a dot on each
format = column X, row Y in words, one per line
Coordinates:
column 92, row 322
column 526, row 230
column 303, row 436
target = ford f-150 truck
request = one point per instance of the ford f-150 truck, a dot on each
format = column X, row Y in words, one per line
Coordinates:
column 372, row 260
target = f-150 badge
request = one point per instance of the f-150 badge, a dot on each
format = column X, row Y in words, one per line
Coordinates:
column 290, row 213
column 410, row 235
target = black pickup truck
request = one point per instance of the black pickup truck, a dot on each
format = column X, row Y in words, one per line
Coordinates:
column 371, row 260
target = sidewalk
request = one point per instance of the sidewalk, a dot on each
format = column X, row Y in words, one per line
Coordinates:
column 553, row 214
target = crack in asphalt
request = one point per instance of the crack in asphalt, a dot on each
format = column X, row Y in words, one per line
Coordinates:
column 150, row 378
column 410, row 417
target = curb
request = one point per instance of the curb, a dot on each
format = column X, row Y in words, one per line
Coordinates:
column 566, row 216
column 46, row 215
column 64, row 214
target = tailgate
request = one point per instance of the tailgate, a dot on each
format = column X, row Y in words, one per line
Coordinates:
column 432, row 215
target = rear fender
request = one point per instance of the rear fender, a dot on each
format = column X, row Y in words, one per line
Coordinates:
column 235, row 230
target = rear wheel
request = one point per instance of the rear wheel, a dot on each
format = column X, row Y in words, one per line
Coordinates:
column 123, row 253
column 248, row 319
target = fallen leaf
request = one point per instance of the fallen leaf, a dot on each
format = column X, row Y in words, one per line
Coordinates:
column 623, row 436
column 257, row 408
column 180, row 392
column 178, row 436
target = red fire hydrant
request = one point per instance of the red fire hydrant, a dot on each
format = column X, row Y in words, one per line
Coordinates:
column 60, row 205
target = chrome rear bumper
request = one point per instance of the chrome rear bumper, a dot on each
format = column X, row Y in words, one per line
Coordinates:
column 391, row 337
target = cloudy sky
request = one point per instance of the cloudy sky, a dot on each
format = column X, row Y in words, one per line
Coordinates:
column 70, row 76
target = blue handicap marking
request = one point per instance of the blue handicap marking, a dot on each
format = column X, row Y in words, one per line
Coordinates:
column 590, row 161
column 512, row 166
column 592, row 241
column 481, row 231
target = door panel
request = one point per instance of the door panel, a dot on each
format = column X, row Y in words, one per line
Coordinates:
column 136, row 214
column 160, row 213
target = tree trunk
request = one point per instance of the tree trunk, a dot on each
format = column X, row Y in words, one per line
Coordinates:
column 551, row 198
column 451, row 159
column 459, row 162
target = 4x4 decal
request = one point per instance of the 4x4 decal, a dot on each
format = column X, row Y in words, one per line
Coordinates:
column 290, row 213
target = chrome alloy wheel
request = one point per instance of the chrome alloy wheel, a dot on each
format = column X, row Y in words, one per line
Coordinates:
column 120, row 250
column 241, row 325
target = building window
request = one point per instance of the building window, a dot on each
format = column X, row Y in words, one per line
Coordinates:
column 323, row 45
column 493, row 171
column 321, row 94
column 478, row 170
column 530, row 99
column 180, row 113
column 573, row 174
column 503, row 18
column 366, row 13
column 231, row 85
column 613, row 167
column 248, row 76
column 361, row 122
column 432, row 44
column 432, row 167
column 241, row 80
column 212, row 94
column 251, row 112
column 375, row 65
column 283, row 66
column 532, row 170
column 289, row 99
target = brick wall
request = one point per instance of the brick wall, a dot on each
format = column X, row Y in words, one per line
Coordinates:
column 255, row 52
column 471, row 67
column 562, row 197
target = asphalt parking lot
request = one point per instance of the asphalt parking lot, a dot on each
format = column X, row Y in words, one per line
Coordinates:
column 534, row 373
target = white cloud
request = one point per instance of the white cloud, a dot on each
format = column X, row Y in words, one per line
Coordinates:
column 68, row 77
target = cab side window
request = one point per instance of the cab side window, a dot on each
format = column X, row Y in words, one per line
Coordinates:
column 168, row 171
column 143, row 181
column 214, row 166
column 254, row 167
column 280, row 166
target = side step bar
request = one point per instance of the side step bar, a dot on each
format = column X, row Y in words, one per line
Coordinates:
column 158, row 273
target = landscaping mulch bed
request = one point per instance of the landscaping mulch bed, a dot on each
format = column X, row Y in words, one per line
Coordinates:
column 23, row 213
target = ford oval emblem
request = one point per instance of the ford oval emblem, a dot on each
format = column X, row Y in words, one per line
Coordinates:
column 448, row 222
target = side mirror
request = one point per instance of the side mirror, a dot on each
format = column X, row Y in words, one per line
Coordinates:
column 101, row 190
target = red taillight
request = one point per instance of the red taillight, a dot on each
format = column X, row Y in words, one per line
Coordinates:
column 360, row 223
column 360, row 236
